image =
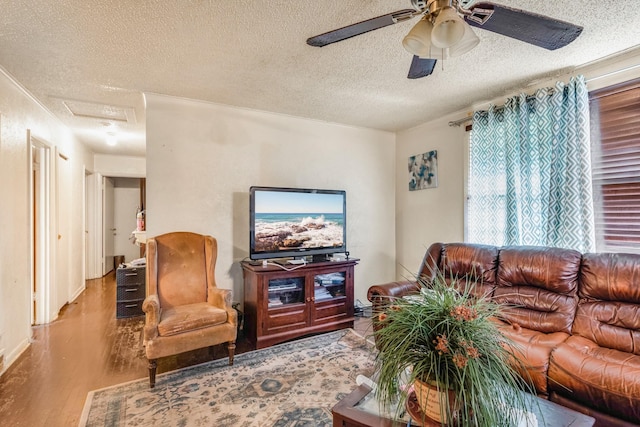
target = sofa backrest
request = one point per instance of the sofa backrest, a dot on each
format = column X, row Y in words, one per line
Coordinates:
column 465, row 263
column 430, row 262
column 539, row 285
column 609, row 308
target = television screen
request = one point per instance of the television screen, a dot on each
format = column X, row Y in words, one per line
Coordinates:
column 290, row 222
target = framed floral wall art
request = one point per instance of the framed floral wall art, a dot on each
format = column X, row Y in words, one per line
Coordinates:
column 423, row 171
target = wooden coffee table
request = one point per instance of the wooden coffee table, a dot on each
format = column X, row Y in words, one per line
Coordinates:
column 347, row 413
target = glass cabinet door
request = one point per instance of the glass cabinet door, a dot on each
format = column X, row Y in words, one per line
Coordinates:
column 285, row 291
column 329, row 286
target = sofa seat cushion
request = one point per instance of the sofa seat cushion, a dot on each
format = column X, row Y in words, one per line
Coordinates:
column 533, row 349
column 605, row 379
column 188, row 317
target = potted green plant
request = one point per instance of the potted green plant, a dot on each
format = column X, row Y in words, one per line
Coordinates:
column 443, row 344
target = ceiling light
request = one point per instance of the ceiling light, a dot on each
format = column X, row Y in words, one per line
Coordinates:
column 111, row 139
column 418, row 41
column 448, row 28
column 469, row 41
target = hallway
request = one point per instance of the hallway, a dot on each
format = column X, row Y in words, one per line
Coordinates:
column 85, row 349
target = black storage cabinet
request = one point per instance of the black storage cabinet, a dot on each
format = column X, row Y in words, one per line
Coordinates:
column 130, row 291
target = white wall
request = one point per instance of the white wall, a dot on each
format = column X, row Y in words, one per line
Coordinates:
column 202, row 158
column 434, row 214
column 18, row 113
column 120, row 166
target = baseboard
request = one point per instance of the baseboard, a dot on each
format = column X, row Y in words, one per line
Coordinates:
column 77, row 293
column 14, row 354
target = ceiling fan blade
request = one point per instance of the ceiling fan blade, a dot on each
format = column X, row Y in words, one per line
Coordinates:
column 421, row 67
column 361, row 27
column 528, row 27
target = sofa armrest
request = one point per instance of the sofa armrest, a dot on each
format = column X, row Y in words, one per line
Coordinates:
column 151, row 308
column 380, row 295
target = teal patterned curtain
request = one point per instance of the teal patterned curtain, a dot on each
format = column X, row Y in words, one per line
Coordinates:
column 530, row 173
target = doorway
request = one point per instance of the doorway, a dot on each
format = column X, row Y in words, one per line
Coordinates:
column 126, row 206
column 111, row 206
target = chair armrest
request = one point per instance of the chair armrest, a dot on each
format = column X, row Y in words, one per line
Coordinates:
column 381, row 295
column 151, row 308
column 221, row 298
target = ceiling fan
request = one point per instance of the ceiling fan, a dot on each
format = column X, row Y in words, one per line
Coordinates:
column 444, row 29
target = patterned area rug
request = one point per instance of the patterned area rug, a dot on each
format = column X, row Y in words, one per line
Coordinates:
column 291, row 384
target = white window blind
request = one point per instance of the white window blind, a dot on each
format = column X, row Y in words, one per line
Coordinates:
column 615, row 135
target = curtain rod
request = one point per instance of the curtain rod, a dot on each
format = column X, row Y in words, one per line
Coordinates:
column 613, row 73
column 498, row 107
column 459, row 122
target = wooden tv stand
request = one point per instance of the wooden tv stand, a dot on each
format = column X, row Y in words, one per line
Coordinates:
column 280, row 305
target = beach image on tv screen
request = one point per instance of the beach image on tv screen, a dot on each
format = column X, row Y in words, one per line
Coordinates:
column 297, row 220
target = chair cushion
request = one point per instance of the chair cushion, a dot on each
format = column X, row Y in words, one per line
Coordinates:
column 188, row 317
column 533, row 349
column 607, row 380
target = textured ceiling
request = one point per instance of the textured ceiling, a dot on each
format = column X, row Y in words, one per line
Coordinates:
column 104, row 55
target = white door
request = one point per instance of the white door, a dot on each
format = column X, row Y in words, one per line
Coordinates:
column 109, row 230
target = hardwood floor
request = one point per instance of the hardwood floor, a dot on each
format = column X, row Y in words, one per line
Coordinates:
column 85, row 349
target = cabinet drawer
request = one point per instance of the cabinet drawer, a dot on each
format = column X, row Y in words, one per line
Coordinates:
column 129, row 309
column 286, row 319
column 130, row 276
column 130, row 292
column 331, row 311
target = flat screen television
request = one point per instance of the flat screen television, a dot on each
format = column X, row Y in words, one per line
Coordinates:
column 297, row 222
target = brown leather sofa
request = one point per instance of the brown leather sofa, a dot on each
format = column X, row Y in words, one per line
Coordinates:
column 575, row 318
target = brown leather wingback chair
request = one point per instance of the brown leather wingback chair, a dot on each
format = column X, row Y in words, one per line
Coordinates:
column 184, row 309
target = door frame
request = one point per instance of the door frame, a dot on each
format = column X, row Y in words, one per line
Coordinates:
column 107, row 224
column 90, row 249
column 41, row 184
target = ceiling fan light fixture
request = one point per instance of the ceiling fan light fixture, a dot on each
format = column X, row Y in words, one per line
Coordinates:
column 448, row 28
column 418, row 40
column 435, row 53
column 469, row 41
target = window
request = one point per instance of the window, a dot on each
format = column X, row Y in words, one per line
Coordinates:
column 615, row 139
column 530, row 171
